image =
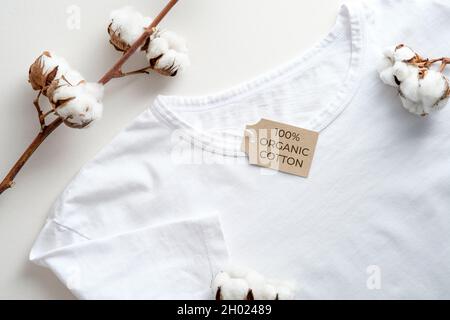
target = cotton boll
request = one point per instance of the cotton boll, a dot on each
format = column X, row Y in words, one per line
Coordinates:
column 128, row 22
column 43, row 71
column 49, row 67
column 237, row 282
column 235, row 289
column 78, row 105
column 393, row 66
column 80, row 112
column 73, row 112
column 167, row 53
column 126, row 26
column 404, row 53
column 421, row 89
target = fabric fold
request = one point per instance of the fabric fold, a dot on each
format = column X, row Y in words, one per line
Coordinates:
column 171, row 261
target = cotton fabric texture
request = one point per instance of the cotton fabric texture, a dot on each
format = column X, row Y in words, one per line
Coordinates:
column 172, row 199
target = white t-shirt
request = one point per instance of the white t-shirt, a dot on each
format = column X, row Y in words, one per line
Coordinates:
column 172, row 199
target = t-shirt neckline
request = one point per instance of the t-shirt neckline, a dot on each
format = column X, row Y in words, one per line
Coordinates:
column 165, row 107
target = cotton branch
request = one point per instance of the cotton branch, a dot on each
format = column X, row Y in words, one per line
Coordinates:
column 114, row 72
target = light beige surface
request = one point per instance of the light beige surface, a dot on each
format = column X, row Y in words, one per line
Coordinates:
column 230, row 41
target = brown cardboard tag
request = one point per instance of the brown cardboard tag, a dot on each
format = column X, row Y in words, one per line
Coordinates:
column 281, row 147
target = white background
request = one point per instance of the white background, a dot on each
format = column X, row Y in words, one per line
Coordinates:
column 230, row 41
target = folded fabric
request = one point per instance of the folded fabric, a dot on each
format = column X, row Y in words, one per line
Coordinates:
column 169, row 261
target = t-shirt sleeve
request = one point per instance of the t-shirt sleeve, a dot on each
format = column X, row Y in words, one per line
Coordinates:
column 171, row 261
column 117, row 233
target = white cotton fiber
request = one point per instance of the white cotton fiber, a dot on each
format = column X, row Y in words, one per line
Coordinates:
column 401, row 70
column 175, row 42
column 422, row 90
column 236, row 283
column 410, row 86
column 268, row 292
column 255, row 279
column 158, row 47
column 387, row 76
column 53, row 61
column 433, row 85
column 384, row 63
column 235, row 289
column 167, row 60
column 128, row 23
column 404, row 53
column 285, row 292
column 168, row 52
column 77, row 102
column 83, row 103
column 220, row 280
column 432, row 89
column 237, row 271
column 411, row 106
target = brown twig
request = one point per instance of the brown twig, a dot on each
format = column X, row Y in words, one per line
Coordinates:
column 426, row 63
column 144, row 70
column 45, row 115
column 8, row 182
column 39, row 111
column 114, row 72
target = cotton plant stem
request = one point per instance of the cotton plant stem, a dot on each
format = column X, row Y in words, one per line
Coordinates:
column 139, row 71
column 8, row 182
column 444, row 63
column 114, row 72
column 426, row 63
column 41, row 116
